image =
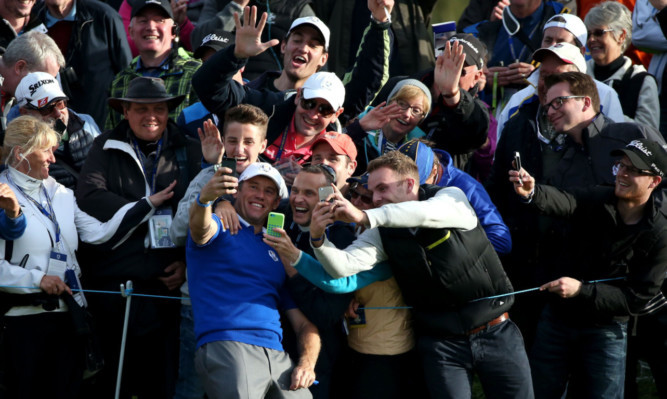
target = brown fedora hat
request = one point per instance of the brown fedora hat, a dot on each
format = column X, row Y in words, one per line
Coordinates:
column 146, row 90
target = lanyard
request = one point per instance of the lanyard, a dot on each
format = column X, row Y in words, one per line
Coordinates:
column 48, row 213
column 282, row 144
column 142, row 157
column 510, row 40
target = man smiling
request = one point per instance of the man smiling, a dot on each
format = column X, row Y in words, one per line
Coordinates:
column 618, row 236
column 237, row 323
column 144, row 153
column 153, row 30
column 16, row 16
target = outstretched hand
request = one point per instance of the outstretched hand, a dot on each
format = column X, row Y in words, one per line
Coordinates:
column 448, row 69
column 248, row 42
column 380, row 116
column 212, row 148
column 161, row 197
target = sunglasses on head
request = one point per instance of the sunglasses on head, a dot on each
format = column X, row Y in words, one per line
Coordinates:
column 325, row 168
column 323, row 109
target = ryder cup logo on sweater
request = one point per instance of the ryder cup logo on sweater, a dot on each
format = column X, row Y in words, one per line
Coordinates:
column 640, row 146
column 273, row 255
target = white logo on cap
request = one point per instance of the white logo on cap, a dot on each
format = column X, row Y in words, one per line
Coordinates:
column 640, row 146
column 215, row 37
column 327, row 83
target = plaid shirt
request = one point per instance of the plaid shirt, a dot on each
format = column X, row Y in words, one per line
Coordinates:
column 177, row 79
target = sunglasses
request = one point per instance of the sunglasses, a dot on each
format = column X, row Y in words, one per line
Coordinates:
column 598, row 32
column 48, row 110
column 354, row 194
column 323, row 109
column 631, row 170
column 557, row 102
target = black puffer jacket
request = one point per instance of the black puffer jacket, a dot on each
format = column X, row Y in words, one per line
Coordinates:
column 442, row 272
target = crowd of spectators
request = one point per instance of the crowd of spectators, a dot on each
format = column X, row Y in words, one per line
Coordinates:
column 315, row 201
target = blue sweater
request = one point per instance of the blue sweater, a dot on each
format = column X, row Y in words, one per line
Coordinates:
column 11, row 229
column 237, row 286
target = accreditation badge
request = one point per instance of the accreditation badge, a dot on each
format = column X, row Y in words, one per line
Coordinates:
column 57, row 265
column 158, row 226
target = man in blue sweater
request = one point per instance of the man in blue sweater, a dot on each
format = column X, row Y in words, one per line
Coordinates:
column 237, row 289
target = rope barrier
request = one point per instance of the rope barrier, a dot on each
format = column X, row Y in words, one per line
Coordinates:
column 127, row 292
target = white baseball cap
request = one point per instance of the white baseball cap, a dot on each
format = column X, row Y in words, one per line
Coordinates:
column 568, row 53
column 265, row 169
column 325, row 85
column 317, row 24
column 37, row 90
column 570, row 23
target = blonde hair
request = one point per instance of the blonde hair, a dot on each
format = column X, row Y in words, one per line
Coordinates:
column 29, row 133
column 409, row 92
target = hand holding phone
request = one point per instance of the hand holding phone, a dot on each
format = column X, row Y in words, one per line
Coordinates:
column 227, row 163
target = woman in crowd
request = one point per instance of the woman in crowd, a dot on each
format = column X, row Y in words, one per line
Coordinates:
column 385, row 128
column 43, row 357
column 609, row 34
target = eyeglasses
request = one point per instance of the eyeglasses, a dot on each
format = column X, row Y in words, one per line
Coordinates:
column 354, row 194
column 630, row 170
column 557, row 102
column 416, row 112
column 48, row 110
column 323, row 109
column 598, row 33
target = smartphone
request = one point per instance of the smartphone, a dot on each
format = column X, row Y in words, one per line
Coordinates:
column 275, row 220
column 325, row 192
column 227, row 163
column 517, row 164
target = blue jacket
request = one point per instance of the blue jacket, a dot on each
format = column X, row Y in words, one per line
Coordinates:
column 489, row 217
column 313, row 271
column 11, row 229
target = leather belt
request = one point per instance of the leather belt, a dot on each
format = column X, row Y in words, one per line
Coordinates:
column 494, row 322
